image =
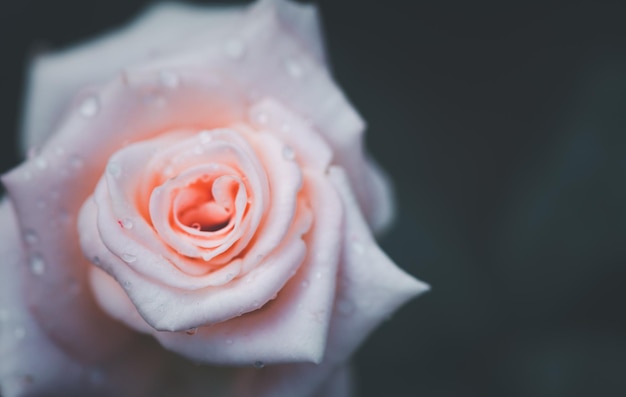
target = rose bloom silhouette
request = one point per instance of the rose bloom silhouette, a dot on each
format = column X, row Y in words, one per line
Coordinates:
column 196, row 215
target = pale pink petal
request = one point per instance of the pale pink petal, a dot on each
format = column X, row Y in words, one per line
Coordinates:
column 31, row 364
column 54, row 79
column 49, row 189
column 370, row 288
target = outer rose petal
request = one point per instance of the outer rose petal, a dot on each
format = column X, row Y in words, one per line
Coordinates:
column 56, row 78
column 370, row 288
column 33, row 365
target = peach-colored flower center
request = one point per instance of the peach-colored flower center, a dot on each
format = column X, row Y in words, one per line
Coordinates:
column 196, row 207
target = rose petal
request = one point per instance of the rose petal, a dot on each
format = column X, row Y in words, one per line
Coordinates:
column 370, row 288
column 306, row 85
column 292, row 328
column 34, row 365
column 54, row 79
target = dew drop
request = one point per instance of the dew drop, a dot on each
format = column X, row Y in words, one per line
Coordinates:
column 196, row 226
column 19, row 333
column 169, row 79
column 293, row 68
column 259, row 364
column 31, row 236
column 205, row 136
column 191, row 331
column 129, row 258
column 261, row 118
column 114, row 169
column 41, row 163
column 235, row 49
column 127, row 223
column 37, row 265
column 89, row 107
column 168, row 171
column 288, row 153
column 127, row 285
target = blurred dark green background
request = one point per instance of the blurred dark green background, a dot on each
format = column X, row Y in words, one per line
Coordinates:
column 503, row 125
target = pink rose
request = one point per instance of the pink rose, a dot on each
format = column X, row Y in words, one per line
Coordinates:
column 201, row 183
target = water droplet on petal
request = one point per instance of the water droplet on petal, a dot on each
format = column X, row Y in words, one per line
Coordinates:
column 127, row 285
column 288, row 153
column 191, row 331
column 114, row 169
column 168, row 171
column 293, row 68
column 89, row 107
column 169, row 79
column 37, row 265
column 31, row 236
column 205, row 136
column 235, row 48
column 129, row 258
column 41, row 163
column 259, row 364
column 261, row 118
column 127, row 223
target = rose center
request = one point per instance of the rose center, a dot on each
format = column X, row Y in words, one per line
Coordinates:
column 207, row 205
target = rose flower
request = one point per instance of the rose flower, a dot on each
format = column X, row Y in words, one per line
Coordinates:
column 196, row 217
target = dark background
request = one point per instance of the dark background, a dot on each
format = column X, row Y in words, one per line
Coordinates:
column 504, row 129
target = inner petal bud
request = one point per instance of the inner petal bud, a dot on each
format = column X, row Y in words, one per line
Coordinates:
column 207, row 204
